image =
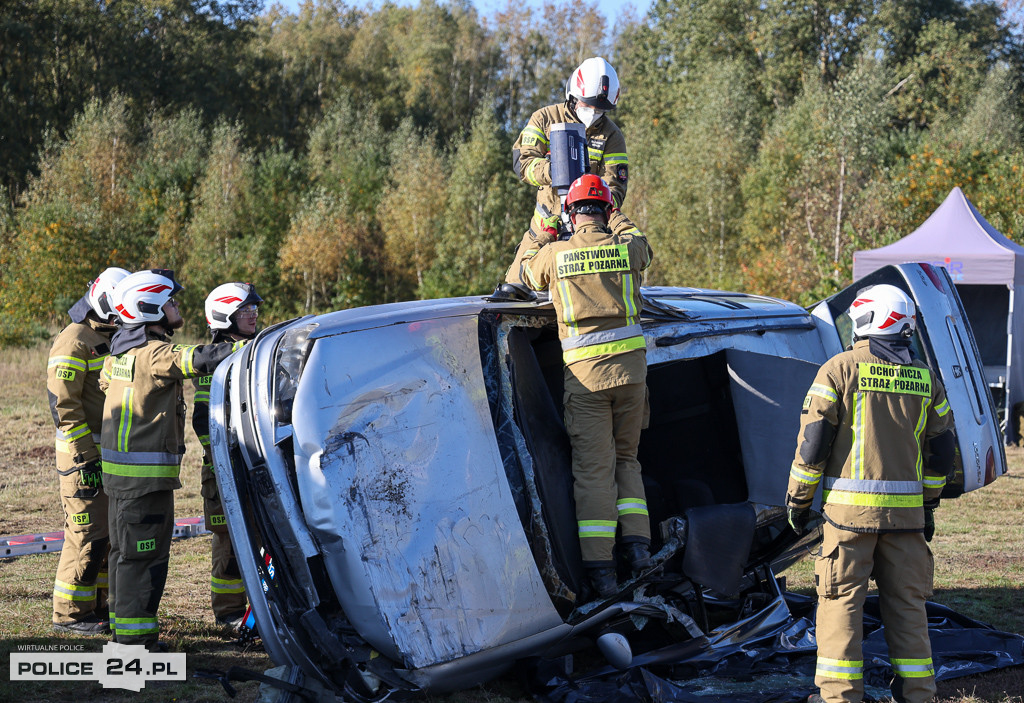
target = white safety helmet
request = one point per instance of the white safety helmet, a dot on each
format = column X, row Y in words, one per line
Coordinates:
column 141, row 296
column 225, row 300
column 594, row 82
column 881, row 311
column 101, row 292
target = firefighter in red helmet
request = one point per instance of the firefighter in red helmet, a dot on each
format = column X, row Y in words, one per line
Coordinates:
column 594, row 280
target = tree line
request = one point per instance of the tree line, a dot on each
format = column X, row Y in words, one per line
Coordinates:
column 344, row 156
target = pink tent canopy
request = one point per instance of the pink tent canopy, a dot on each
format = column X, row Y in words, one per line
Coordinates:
column 955, row 236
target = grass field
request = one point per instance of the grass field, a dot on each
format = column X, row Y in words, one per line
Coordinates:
column 979, row 557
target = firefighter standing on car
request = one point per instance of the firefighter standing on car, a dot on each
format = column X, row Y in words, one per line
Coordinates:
column 231, row 311
column 590, row 92
column 876, row 433
column 143, row 443
column 76, row 401
column 594, row 279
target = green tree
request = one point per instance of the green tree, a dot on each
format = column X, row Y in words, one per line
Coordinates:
column 411, row 211
column 695, row 203
column 220, row 243
column 485, row 210
column 77, row 217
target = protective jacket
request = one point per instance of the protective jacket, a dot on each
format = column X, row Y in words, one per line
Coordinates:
column 606, row 148
column 595, row 280
column 878, row 437
column 201, row 408
column 532, row 243
column 73, row 386
column 144, row 414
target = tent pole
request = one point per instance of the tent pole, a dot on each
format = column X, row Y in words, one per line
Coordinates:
column 1007, row 410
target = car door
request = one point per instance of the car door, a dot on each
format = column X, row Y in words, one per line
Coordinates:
column 945, row 341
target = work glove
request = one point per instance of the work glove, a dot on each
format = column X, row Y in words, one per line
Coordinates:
column 929, row 519
column 550, row 226
column 798, row 518
column 92, row 474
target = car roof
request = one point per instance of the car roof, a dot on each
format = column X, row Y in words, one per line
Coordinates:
column 660, row 302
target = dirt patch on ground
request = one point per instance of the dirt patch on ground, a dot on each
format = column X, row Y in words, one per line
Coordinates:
column 990, row 562
column 1001, row 685
column 38, row 453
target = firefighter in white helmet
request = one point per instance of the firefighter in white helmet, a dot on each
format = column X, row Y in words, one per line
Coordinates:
column 143, row 443
column 591, row 91
column 76, row 401
column 876, row 433
column 231, row 311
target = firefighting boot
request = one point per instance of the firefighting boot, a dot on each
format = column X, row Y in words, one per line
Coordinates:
column 603, row 580
column 638, row 556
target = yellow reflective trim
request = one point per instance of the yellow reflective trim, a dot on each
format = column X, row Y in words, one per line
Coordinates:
column 616, row 158
column 535, row 132
column 857, row 463
column 187, row 361
column 72, row 362
column 528, row 172
column 77, row 431
column 874, row 500
column 97, row 363
column 942, row 408
column 802, row 476
column 918, row 431
column 142, row 470
column 616, row 347
column 226, row 585
column 823, row 392
column 597, row 528
column 627, row 296
column 568, row 314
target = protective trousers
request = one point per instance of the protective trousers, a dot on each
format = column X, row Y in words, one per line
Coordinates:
column 227, row 593
column 604, row 430
column 80, row 587
column 902, row 566
column 140, row 546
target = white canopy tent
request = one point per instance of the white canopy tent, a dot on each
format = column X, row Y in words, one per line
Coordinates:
column 988, row 270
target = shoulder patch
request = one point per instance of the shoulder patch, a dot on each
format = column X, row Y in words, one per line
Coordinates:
column 622, row 173
column 529, row 140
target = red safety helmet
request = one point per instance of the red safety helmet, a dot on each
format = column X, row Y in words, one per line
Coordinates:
column 589, row 195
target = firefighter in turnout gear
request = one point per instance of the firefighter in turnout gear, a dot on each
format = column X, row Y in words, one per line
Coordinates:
column 876, row 433
column 143, row 443
column 594, row 279
column 590, row 92
column 231, row 311
column 76, row 401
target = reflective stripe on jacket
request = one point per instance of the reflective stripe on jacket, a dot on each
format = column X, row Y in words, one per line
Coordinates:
column 595, row 279
column 863, row 437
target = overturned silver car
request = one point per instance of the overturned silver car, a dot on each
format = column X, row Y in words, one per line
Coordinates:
column 398, row 487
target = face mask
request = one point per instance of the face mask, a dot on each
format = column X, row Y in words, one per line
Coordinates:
column 588, row 115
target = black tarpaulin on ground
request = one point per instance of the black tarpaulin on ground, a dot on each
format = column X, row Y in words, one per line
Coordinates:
column 768, row 657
